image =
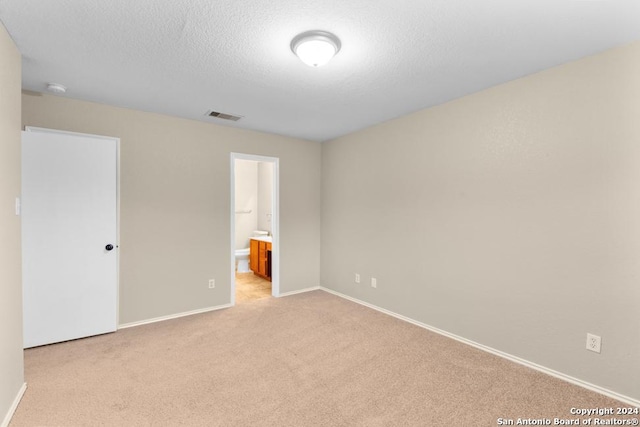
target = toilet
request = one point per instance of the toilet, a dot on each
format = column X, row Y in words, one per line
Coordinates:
column 242, row 259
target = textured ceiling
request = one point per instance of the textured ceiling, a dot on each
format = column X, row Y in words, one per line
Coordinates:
column 185, row 58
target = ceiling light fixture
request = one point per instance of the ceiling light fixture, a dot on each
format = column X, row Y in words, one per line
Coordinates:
column 315, row 48
column 56, row 88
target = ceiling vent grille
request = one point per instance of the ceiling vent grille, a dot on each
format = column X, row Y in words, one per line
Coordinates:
column 223, row 116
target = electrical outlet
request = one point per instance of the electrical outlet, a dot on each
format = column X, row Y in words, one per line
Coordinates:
column 212, row 283
column 593, row 343
column 374, row 282
column 357, row 278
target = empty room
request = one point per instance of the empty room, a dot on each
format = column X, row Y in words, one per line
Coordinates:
column 322, row 213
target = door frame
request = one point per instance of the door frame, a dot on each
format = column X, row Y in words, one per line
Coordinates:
column 117, row 140
column 275, row 221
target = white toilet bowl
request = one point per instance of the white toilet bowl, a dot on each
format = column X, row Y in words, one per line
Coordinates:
column 242, row 260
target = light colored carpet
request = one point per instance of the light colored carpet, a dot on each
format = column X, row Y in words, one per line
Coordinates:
column 311, row 359
column 250, row 287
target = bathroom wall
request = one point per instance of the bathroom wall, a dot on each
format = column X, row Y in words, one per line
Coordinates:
column 175, row 202
column 510, row 217
column 246, row 200
column 254, row 192
column 265, row 195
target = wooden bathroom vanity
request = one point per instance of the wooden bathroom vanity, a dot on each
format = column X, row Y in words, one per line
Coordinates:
column 260, row 257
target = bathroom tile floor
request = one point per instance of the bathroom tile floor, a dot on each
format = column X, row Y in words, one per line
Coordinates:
column 250, row 287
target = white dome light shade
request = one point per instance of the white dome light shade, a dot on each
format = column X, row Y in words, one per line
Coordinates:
column 56, row 88
column 315, row 52
column 315, row 48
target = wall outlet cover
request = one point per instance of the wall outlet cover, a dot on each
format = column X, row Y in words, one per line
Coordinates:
column 594, row 343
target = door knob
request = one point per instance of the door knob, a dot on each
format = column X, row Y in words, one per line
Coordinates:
column 109, row 247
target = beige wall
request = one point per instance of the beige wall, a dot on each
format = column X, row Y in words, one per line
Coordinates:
column 510, row 217
column 175, row 203
column 11, row 364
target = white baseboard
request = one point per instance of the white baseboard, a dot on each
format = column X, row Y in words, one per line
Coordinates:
column 173, row 316
column 14, row 406
column 202, row 310
column 540, row 368
column 300, row 291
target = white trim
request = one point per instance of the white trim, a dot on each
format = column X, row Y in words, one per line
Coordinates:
column 14, row 406
column 528, row 364
column 118, row 231
column 172, row 316
column 300, row 291
column 66, row 132
column 275, row 221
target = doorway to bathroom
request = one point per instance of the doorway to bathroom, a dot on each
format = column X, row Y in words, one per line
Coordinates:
column 255, row 243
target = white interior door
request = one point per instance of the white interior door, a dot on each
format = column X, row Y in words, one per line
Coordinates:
column 69, row 217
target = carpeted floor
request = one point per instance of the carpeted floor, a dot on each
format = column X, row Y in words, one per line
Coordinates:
column 311, row 359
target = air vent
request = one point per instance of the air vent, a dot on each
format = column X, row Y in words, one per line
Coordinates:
column 223, row 116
